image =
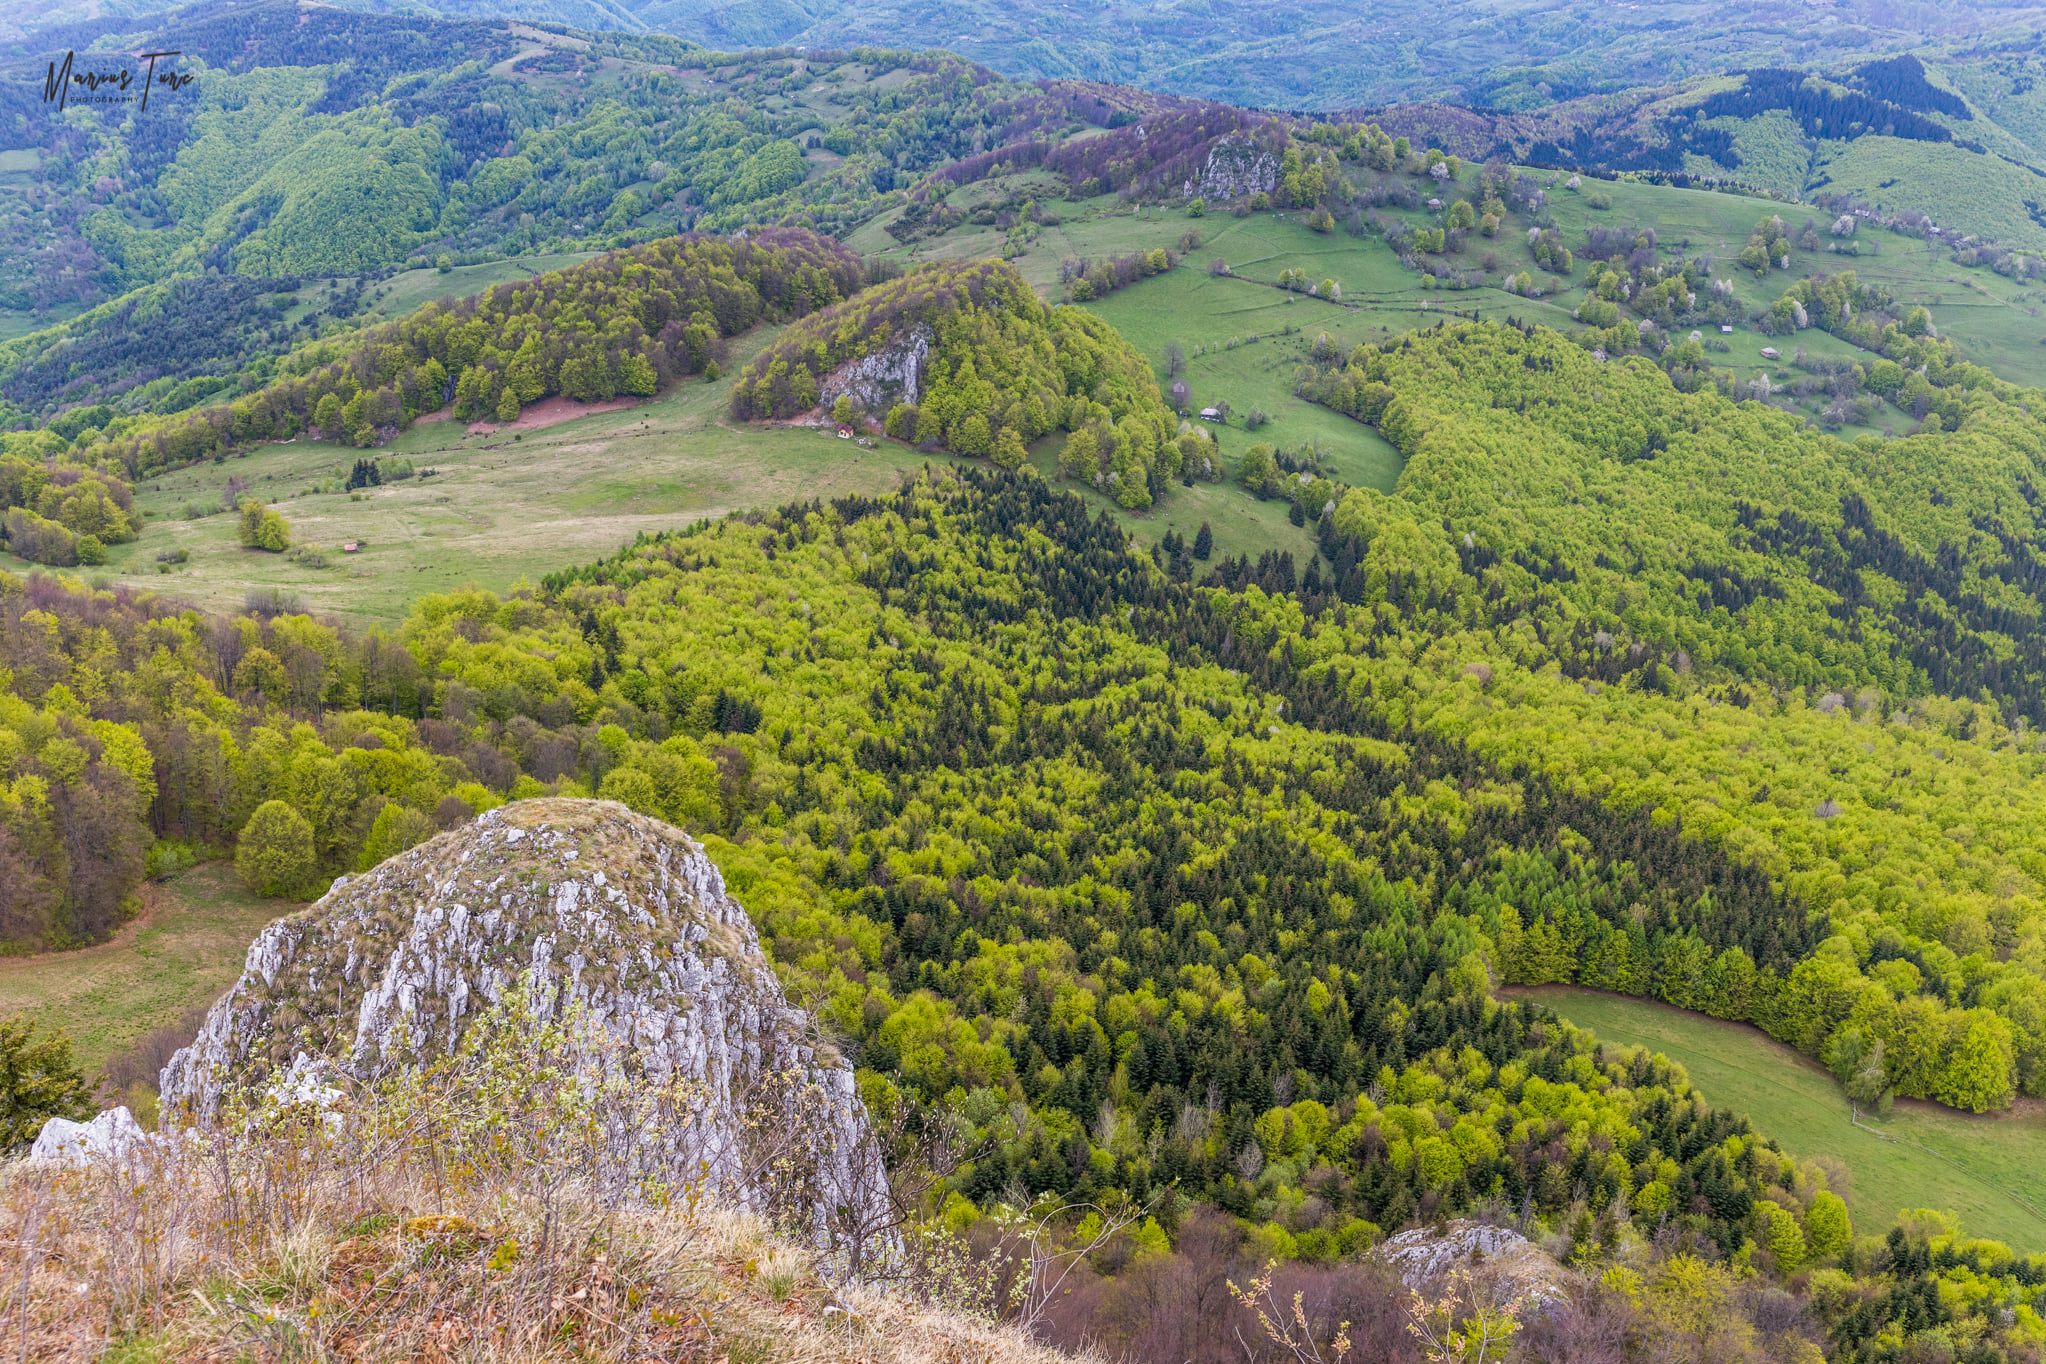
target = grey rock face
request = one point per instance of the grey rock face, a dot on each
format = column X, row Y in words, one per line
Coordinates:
column 893, row 374
column 110, row 1136
column 1422, row 1256
column 1236, row 169
column 599, row 911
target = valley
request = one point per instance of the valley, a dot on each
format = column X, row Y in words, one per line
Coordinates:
column 1139, row 651
column 1920, row 1156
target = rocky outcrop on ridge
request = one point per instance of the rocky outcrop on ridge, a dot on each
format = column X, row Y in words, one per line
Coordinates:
column 1424, row 1257
column 591, row 912
column 893, row 374
column 1235, row 169
column 113, row 1135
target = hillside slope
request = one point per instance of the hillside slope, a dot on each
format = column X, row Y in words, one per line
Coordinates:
column 1949, row 143
column 550, row 1065
column 321, row 142
column 1305, row 54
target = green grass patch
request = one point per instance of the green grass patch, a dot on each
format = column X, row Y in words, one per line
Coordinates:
column 1992, row 320
column 184, row 951
column 1241, row 524
column 503, row 506
column 411, row 289
column 1984, row 1169
column 1958, row 188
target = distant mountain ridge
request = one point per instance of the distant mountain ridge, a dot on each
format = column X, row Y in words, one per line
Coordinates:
column 1937, row 111
column 1953, row 140
column 1301, row 54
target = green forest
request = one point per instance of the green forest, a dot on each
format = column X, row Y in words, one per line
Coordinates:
column 1200, row 614
column 1115, row 868
column 1588, row 542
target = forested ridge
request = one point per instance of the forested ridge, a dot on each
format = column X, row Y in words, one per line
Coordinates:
column 628, row 322
column 322, row 142
column 1812, row 652
column 163, row 347
column 1111, row 867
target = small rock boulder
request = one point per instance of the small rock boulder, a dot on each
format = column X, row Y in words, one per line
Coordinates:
column 1424, row 1256
column 113, row 1135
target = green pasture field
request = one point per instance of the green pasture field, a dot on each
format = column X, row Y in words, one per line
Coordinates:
column 411, row 289
column 181, row 954
column 1993, row 320
column 1955, row 186
column 1984, row 1169
column 500, row 508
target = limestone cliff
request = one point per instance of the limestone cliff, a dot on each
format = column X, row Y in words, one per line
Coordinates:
column 892, row 374
column 594, row 913
column 1236, row 169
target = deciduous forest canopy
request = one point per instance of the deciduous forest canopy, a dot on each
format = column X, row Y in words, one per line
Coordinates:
column 1165, row 613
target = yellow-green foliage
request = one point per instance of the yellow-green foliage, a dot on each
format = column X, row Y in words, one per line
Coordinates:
column 52, row 504
column 1004, row 370
column 1696, row 606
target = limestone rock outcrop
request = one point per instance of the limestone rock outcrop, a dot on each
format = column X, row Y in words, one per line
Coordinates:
column 892, row 374
column 1424, row 1256
column 1236, row 169
column 110, row 1136
column 588, row 911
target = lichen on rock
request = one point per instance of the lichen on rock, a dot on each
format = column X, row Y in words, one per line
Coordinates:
column 584, row 909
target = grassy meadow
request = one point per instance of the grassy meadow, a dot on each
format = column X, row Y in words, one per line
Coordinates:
column 1992, row 320
column 1955, row 186
column 184, row 950
column 499, row 508
column 411, row 289
column 1984, row 1169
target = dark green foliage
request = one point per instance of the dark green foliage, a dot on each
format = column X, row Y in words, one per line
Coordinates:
column 38, row 1081
column 163, row 347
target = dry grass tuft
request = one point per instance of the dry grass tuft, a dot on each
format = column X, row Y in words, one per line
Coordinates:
column 158, row 1262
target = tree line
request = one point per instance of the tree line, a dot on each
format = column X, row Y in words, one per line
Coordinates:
column 625, row 323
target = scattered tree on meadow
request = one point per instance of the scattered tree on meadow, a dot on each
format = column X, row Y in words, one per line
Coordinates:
column 274, row 855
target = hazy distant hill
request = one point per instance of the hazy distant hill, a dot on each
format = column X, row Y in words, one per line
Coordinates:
column 1957, row 139
column 1306, row 54
column 318, row 143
